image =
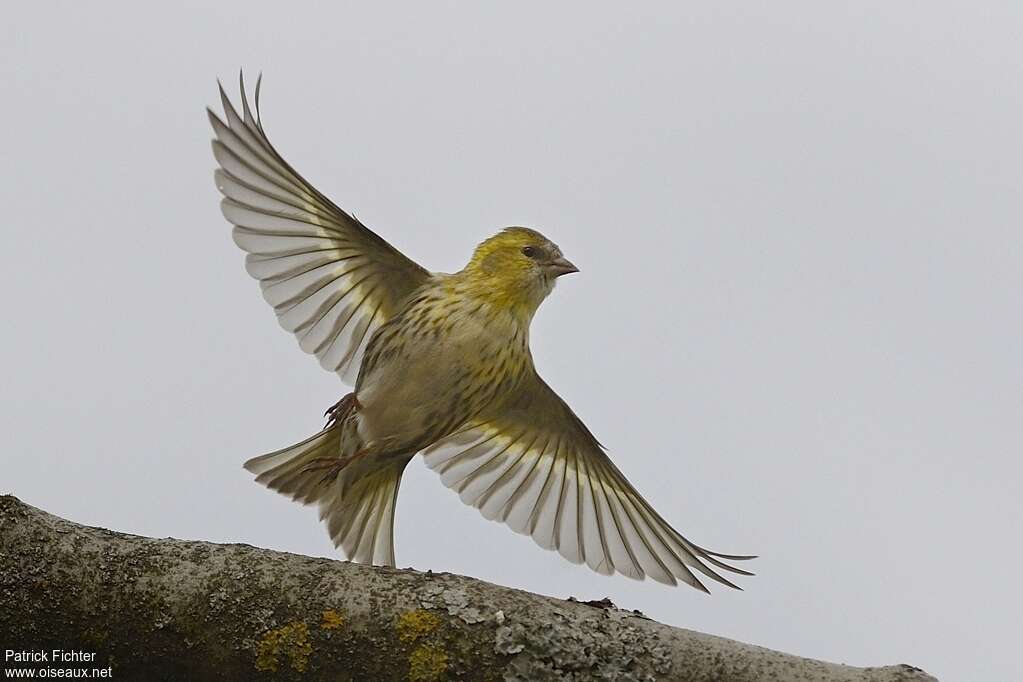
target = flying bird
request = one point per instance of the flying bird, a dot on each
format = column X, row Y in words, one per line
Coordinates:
column 441, row 366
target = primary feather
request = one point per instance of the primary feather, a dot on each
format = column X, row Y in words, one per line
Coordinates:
column 330, row 279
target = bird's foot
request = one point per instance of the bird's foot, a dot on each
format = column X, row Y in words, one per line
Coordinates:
column 340, row 410
column 331, row 466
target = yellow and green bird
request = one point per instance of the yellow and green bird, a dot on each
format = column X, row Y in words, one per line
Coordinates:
column 441, row 366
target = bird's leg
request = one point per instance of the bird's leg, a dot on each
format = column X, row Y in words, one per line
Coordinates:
column 333, row 466
column 340, row 410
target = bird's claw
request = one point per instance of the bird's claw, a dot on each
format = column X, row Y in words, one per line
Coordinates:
column 340, row 410
column 333, row 466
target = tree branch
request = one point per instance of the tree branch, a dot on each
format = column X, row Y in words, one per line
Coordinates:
column 176, row 610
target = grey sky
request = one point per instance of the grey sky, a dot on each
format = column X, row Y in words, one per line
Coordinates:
column 797, row 327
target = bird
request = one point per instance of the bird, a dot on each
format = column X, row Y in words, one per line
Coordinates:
column 440, row 366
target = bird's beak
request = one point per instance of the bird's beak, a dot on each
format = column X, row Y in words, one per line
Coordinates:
column 561, row 266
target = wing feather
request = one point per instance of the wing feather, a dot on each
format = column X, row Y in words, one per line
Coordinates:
column 532, row 464
column 330, row 279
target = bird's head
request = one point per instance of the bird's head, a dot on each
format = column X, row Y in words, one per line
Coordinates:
column 517, row 268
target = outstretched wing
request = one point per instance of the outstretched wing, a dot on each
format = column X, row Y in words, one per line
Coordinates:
column 330, row 279
column 532, row 464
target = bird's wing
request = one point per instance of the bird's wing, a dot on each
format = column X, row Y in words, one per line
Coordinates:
column 330, row 279
column 532, row 464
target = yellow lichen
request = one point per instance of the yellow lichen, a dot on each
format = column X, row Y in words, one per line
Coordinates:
column 413, row 625
column 291, row 640
column 427, row 664
column 332, row 620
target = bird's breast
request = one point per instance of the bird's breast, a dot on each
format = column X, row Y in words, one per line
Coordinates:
column 430, row 372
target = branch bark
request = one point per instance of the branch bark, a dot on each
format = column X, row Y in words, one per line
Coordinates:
column 176, row 610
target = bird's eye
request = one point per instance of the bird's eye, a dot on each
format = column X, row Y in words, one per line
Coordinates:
column 529, row 251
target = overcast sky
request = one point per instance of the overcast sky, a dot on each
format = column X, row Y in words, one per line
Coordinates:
column 797, row 328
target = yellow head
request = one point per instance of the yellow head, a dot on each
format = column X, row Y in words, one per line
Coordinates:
column 516, row 268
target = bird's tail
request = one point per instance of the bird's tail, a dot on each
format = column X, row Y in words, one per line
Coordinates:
column 357, row 505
